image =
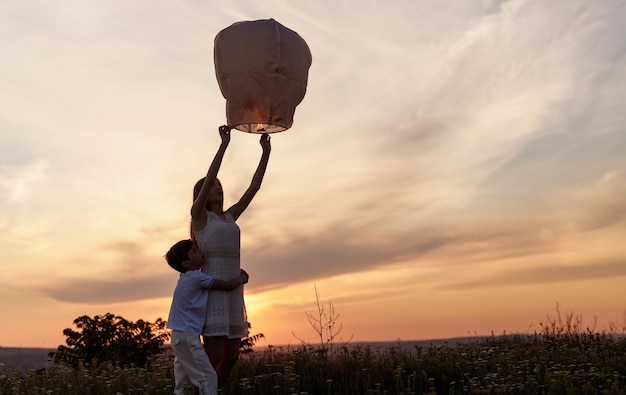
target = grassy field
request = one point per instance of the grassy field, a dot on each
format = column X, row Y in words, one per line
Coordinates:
column 557, row 363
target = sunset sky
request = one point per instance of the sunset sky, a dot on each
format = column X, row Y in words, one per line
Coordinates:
column 456, row 168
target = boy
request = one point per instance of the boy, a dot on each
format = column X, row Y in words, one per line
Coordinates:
column 186, row 318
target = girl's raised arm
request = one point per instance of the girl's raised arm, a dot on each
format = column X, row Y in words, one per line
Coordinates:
column 198, row 212
column 238, row 208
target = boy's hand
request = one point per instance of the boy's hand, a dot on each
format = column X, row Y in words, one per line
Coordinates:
column 245, row 276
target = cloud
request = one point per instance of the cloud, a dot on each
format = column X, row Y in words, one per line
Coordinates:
column 548, row 274
column 606, row 202
column 17, row 189
column 14, row 180
column 342, row 248
column 114, row 290
column 446, row 138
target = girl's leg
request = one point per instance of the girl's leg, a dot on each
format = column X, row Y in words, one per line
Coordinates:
column 213, row 346
column 229, row 357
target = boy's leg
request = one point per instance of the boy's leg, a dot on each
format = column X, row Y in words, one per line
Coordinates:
column 181, row 381
column 195, row 363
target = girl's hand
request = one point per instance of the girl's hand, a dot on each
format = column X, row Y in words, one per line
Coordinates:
column 225, row 133
column 265, row 142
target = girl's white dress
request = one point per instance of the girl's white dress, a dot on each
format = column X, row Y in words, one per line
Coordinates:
column 220, row 244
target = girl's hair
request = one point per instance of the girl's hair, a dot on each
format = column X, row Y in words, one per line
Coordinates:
column 197, row 187
column 179, row 253
column 196, row 192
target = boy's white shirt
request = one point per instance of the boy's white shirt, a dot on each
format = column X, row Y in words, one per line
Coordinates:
column 188, row 309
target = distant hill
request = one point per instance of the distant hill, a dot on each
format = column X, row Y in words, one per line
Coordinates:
column 25, row 359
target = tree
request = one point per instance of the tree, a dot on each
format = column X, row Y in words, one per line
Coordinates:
column 112, row 338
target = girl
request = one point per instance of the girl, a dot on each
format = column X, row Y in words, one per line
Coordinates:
column 217, row 235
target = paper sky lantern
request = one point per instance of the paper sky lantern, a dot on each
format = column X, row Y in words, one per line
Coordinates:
column 262, row 70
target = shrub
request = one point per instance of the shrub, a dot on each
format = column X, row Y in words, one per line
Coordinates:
column 112, row 338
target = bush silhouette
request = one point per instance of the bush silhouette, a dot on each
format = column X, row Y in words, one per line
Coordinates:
column 112, row 338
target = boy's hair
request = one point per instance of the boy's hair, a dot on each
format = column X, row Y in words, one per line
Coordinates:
column 179, row 253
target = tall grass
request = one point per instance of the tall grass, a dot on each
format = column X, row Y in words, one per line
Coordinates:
column 564, row 358
column 513, row 364
column 101, row 379
column 547, row 363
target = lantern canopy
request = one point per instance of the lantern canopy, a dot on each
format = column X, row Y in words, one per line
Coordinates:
column 262, row 69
